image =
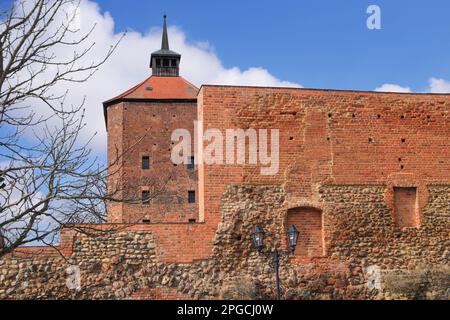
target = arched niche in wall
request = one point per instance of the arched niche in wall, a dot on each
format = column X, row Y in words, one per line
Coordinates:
column 406, row 195
column 309, row 222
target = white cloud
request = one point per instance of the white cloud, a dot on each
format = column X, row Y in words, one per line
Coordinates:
column 252, row 76
column 439, row 85
column 130, row 65
column 435, row 85
column 389, row 87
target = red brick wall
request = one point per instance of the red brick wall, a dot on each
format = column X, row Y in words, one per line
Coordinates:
column 308, row 222
column 330, row 137
column 137, row 129
column 115, row 159
column 176, row 242
column 341, row 152
column 327, row 137
column 405, row 213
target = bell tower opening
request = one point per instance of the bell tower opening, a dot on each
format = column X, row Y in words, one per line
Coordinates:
column 165, row 62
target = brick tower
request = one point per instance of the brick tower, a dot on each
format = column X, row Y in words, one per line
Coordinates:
column 140, row 123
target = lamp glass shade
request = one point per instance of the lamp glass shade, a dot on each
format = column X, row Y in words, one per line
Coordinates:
column 292, row 237
column 258, row 237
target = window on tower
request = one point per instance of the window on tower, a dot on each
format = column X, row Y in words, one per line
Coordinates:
column 174, row 62
column 166, row 63
column 158, row 62
column 145, row 162
column 191, row 196
column 145, row 198
column 191, row 163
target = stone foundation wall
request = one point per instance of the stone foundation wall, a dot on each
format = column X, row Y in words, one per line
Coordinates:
column 366, row 256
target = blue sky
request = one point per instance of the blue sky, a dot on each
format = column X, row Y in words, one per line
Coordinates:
column 319, row 44
column 309, row 43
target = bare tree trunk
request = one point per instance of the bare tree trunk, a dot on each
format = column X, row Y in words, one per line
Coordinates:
column 51, row 178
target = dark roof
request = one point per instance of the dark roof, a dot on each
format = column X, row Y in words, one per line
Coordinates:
column 166, row 52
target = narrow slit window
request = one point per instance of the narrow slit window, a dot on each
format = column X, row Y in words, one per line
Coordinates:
column 191, row 196
column 191, row 163
column 145, row 162
column 145, row 198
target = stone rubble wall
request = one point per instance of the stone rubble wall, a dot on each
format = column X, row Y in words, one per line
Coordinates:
column 360, row 236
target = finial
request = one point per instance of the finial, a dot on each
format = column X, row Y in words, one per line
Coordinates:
column 165, row 37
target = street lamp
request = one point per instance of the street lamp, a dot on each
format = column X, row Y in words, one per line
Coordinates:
column 292, row 237
column 258, row 238
column 258, row 241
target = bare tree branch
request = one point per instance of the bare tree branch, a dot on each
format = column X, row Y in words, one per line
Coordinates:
column 51, row 178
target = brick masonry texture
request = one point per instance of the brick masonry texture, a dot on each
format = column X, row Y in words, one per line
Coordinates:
column 331, row 137
column 405, row 210
column 136, row 129
column 344, row 156
column 309, row 222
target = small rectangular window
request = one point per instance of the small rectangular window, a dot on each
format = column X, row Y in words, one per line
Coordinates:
column 158, row 62
column 191, row 163
column 166, row 63
column 191, row 196
column 145, row 198
column 174, row 62
column 145, row 162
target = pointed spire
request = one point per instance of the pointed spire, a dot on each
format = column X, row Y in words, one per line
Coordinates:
column 164, row 62
column 165, row 37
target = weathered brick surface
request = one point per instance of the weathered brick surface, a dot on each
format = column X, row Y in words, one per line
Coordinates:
column 309, row 222
column 136, row 129
column 330, row 137
column 342, row 154
column 406, row 211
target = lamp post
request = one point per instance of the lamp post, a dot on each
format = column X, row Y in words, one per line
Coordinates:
column 258, row 241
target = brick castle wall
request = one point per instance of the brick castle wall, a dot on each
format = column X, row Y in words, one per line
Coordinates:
column 331, row 137
column 343, row 155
